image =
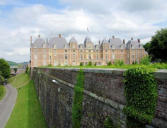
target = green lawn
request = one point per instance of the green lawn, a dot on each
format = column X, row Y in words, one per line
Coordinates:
column 19, row 80
column 27, row 112
column 124, row 66
column 2, row 92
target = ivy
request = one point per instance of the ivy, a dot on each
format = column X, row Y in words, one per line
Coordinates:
column 141, row 96
column 78, row 99
column 108, row 123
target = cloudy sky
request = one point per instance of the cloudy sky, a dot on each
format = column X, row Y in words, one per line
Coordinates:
column 20, row 19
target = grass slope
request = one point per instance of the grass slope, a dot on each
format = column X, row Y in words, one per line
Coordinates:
column 2, row 92
column 125, row 66
column 27, row 112
column 19, row 80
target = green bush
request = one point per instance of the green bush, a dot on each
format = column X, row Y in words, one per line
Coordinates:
column 134, row 62
column 119, row 62
column 109, row 63
column 15, row 70
column 145, row 60
column 141, row 96
column 108, row 123
column 4, row 68
column 77, row 101
column 2, row 80
column 81, row 63
column 89, row 63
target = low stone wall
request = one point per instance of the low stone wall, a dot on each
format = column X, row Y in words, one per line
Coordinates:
column 103, row 97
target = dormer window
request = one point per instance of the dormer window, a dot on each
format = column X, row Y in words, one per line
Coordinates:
column 54, row 46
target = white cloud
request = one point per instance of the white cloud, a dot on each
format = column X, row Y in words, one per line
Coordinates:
column 103, row 19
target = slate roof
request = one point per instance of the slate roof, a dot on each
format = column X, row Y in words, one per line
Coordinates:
column 73, row 40
column 134, row 44
column 59, row 42
column 115, row 43
column 38, row 43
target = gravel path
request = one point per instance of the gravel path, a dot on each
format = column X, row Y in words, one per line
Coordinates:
column 7, row 104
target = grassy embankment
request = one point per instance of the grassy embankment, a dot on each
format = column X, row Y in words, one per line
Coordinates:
column 123, row 66
column 2, row 92
column 27, row 112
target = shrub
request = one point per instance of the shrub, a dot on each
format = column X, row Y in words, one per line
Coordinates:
column 141, row 96
column 119, row 62
column 81, row 63
column 108, row 123
column 109, row 63
column 77, row 101
column 15, row 70
column 145, row 60
column 134, row 62
column 95, row 64
column 2, row 80
column 89, row 63
column 4, row 68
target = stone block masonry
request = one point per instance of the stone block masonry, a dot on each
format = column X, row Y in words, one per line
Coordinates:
column 103, row 97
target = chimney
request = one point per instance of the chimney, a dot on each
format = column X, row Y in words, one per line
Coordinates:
column 113, row 36
column 123, row 41
column 131, row 38
column 59, row 35
column 31, row 39
column 138, row 40
column 38, row 36
column 47, row 40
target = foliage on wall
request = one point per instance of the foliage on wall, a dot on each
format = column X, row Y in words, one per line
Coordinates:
column 141, row 96
column 77, row 101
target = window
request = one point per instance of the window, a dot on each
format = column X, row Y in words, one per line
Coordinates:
column 66, row 56
column 44, row 56
column 73, row 50
column 113, row 57
column 89, row 50
column 65, row 50
column 97, row 57
column 106, row 57
column 89, row 56
column 81, row 57
column 106, row 50
column 35, row 57
column 44, row 63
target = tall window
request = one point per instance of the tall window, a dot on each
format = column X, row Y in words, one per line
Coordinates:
column 89, row 56
column 106, row 57
column 66, row 56
column 81, row 57
column 97, row 57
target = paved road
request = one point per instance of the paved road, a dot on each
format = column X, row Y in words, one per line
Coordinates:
column 7, row 104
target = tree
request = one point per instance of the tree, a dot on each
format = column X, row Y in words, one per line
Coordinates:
column 1, row 78
column 4, row 68
column 145, row 60
column 157, row 48
column 15, row 70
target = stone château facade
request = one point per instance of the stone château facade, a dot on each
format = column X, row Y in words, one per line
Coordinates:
column 56, row 51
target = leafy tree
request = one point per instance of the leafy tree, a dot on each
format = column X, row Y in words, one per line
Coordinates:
column 109, row 63
column 15, row 70
column 89, row 63
column 4, row 68
column 1, row 78
column 81, row 63
column 145, row 60
column 157, row 48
